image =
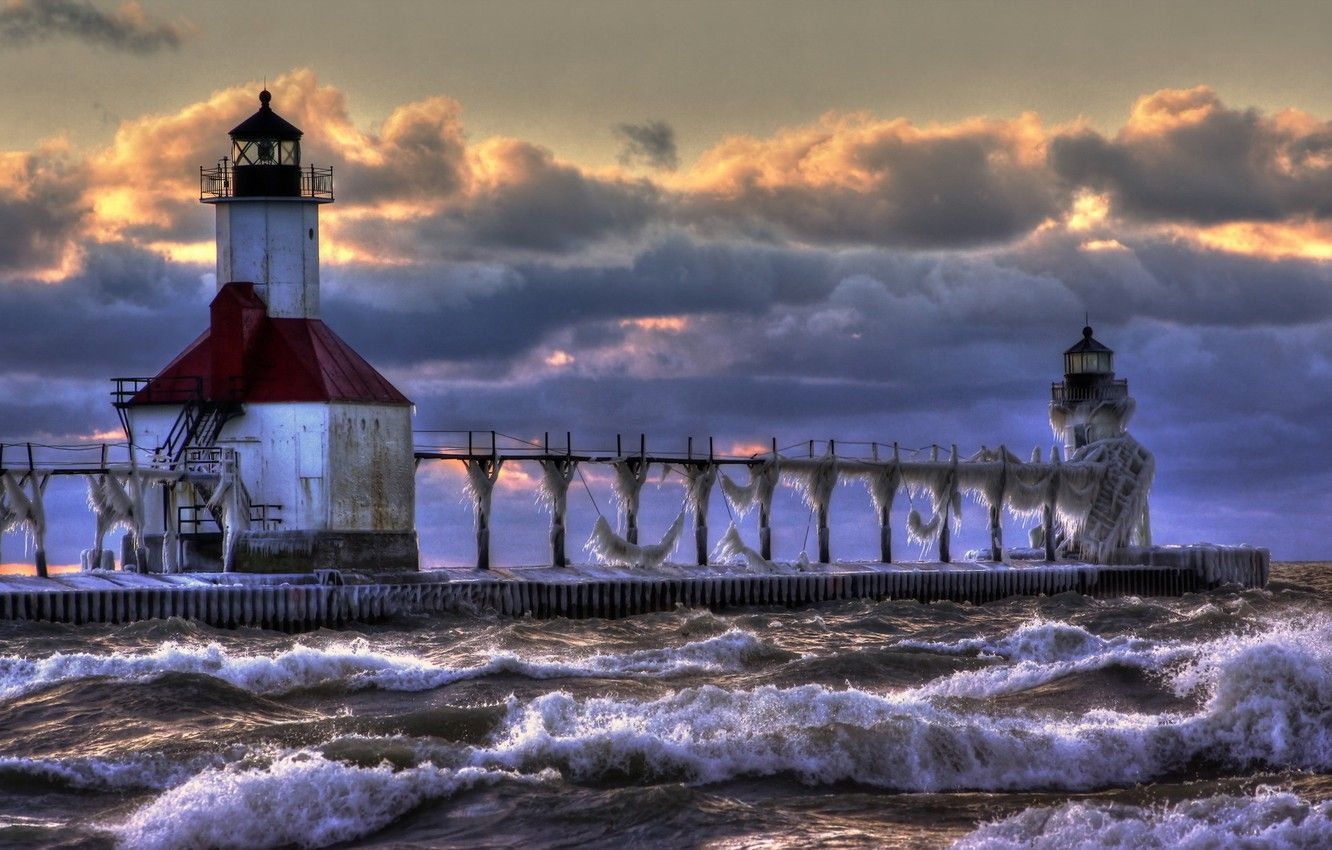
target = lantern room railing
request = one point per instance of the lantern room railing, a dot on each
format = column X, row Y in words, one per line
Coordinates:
column 219, row 182
column 1061, row 393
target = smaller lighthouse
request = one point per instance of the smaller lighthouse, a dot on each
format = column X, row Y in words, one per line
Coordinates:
column 294, row 453
column 1090, row 404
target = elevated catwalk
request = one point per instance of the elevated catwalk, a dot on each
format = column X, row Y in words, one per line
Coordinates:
column 300, row 602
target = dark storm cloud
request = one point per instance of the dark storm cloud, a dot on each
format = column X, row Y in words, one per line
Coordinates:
column 41, row 209
column 853, row 180
column 524, row 202
column 544, row 206
column 1186, row 156
column 24, row 22
column 126, row 313
column 651, row 143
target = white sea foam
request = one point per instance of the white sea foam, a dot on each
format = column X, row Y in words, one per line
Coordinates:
column 1042, row 652
column 145, row 771
column 1265, row 700
column 357, row 665
column 1270, row 819
column 819, row 735
column 301, row 799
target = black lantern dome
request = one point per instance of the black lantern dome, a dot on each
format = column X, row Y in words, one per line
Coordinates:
column 266, row 154
column 1089, row 357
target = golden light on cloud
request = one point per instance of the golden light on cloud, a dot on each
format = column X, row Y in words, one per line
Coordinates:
column 1170, row 109
column 1102, row 245
column 558, row 359
column 517, row 478
column 193, row 253
column 1089, row 210
column 667, row 324
column 747, row 449
column 113, row 436
column 1307, row 240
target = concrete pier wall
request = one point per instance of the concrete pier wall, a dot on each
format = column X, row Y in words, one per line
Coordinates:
column 299, row 602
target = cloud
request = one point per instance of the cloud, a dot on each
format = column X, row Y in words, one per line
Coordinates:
column 41, row 211
column 1185, row 156
column 24, row 22
column 854, row 179
column 856, row 278
column 651, row 143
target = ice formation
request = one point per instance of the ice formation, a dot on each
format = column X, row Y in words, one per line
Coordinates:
column 231, row 502
column 481, row 476
column 814, row 479
column 763, row 478
column 610, row 548
column 630, row 473
column 25, row 510
column 732, row 548
column 699, row 478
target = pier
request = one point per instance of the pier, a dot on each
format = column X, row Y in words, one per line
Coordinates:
column 328, row 599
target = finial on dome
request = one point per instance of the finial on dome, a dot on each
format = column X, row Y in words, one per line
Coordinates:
column 1087, row 332
column 264, row 97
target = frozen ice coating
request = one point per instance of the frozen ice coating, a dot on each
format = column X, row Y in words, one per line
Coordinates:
column 757, row 492
column 610, row 548
column 732, row 546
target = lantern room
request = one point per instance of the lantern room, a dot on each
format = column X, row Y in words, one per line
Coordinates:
column 1089, row 357
column 266, row 154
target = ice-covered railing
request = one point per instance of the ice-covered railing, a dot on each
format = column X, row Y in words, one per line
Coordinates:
column 1087, row 505
column 118, row 484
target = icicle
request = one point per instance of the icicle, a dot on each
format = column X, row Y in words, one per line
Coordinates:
column 233, row 502
column 920, row 531
column 8, row 516
column 882, row 482
column 481, row 477
column 699, row 479
column 938, row 480
column 170, row 535
column 814, row 480
column 763, row 477
column 629, row 478
column 610, row 548
column 111, row 506
column 26, row 510
column 731, row 548
column 556, row 473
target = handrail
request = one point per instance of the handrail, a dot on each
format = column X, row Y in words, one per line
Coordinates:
column 219, row 181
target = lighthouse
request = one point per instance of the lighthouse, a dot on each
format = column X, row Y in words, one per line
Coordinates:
column 293, row 452
column 1090, row 404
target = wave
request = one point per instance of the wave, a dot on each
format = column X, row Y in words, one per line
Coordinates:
column 1264, row 700
column 1269, row 819
column 1041, row 652
column 301, row 799
column 142, row 772
column 356, row 665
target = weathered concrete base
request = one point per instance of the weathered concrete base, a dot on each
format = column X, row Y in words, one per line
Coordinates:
column 374, row 552
column 295, row 602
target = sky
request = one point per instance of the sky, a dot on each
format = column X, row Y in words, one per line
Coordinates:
column 746, row 221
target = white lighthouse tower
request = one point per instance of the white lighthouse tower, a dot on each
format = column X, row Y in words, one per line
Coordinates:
column 312, row 446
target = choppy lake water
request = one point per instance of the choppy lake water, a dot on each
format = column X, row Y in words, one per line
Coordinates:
column 1057, row 722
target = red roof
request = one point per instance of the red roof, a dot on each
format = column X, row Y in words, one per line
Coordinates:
column 262, row 359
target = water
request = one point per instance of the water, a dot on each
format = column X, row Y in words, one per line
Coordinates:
column 1060, row 722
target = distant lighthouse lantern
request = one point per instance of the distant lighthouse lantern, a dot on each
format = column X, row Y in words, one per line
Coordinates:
column 1089, row 357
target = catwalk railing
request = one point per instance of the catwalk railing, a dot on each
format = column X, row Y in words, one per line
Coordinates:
column 1066, row 498
column 1060, row 494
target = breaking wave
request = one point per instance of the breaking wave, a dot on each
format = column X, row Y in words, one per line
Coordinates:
column 1264, row 700
column 1269, row 819
column 356, row 665
column 301, row 799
